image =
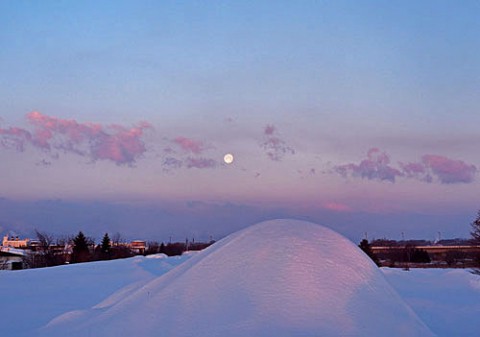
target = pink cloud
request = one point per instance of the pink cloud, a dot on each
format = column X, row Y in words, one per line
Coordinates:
column 123, row 147
column 46, row 128
column 412, row 169
column 416, row 171
column 375, row 167
column 190, row 145
column 274, row 147
column 337, row 207
column 269, row 130
column 449, row 171
column 114, row 142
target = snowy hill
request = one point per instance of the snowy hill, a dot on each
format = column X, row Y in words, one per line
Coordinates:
column 277, row 278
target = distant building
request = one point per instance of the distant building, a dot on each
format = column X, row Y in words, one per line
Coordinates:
column 14, row 242
column 138, row 247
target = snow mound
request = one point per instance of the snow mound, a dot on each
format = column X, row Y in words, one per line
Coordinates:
column 277, row 278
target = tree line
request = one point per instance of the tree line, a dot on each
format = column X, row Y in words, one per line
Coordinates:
column 406, row 251
column 80, row 248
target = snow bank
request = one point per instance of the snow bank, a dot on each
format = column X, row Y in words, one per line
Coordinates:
column 277, row 278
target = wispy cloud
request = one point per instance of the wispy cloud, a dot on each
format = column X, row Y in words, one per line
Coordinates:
column 187, row 153
column 200, row 163
column 15, row 138
column 115, row 143
column 375, row 167
column 275, row 147
column 431, row 168
column 44, row 162
column 171, row 163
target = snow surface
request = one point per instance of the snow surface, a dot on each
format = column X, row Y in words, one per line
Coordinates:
column 277, row 278
column 447, row 300
column 454, row 308
column 30, row 298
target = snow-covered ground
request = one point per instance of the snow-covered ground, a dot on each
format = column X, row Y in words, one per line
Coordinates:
column 266, row 281
column 447, row 300
column 29, row 299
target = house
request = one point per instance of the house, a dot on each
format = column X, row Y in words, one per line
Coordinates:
column 138, row 247
column 12, row 258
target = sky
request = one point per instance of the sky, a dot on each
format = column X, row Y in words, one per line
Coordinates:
column 115, row 116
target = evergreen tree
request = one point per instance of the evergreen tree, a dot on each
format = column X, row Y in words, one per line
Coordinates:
column 106, row 246
column 81, row 251
column 367, row 249
column 420, row 256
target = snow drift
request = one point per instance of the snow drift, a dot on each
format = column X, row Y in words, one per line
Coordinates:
column 277, row 278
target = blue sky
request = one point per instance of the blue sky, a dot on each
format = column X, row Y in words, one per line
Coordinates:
column 359, row 115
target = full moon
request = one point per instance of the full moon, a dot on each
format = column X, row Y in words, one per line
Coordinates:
column 228, row 158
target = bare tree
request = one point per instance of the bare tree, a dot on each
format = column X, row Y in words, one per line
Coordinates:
column 153, row 247
column 3, row 264
column 475, row 232
column 45, row 239
column 117, row 239
column 45, row 253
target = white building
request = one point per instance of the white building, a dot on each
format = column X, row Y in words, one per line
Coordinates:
column 14, row 242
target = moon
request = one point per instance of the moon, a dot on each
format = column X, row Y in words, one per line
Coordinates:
column 228, row 158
